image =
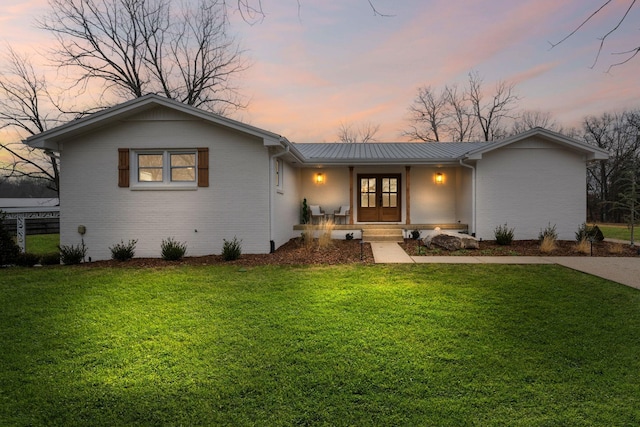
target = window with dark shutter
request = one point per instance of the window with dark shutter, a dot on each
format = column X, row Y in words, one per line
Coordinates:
column 123, row 167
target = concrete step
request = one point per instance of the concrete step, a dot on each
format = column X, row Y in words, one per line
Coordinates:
column 382, row 235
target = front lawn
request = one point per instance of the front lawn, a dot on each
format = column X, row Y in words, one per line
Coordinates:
column 350, row 345
column 618, row 231
column 41, row 244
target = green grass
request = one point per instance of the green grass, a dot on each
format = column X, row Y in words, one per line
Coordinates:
column 41, row 244
column 351, row 345
column 618, row 231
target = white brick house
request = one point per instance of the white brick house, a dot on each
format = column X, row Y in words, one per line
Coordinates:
column 153, row 168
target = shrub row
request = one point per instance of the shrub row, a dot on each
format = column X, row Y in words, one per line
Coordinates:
column 170, row 250
column 504, row 235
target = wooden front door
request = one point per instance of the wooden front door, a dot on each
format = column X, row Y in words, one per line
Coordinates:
column 379, row 198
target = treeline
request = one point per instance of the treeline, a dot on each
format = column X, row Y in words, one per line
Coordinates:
column 613, row 185
column 25, row 188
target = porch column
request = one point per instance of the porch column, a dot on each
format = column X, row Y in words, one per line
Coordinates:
column 408, row 188
column 351, row 207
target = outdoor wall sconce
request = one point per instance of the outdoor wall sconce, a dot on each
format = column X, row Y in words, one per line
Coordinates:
column 439, row 178
column 319, row 178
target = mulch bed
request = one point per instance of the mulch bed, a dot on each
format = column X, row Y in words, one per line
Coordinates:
column 295, row 252
column 525, row 248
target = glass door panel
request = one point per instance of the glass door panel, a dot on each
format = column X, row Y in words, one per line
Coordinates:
column 379, row 198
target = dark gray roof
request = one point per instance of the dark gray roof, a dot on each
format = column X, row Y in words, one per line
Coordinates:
column 392, row 152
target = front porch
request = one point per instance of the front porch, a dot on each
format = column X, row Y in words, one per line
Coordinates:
column 400, row 197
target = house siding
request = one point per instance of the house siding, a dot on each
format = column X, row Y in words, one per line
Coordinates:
column 333, row 193
column 287, row 204
column 233, row 204
column 528, row 185
column 433, row 203
column 464, row 197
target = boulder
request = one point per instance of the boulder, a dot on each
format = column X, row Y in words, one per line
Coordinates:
column 450, row 241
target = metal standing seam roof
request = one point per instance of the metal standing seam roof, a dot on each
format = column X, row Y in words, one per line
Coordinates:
column 385, row 152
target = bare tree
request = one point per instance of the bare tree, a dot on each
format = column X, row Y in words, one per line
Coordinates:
column 619, row 134
column 628, row 54
column 462, row 122
column 460, row 115
column 491, row 113
column 428, row 115
column 26, row 109
column 348, row 132
column 530, row 119
column 135, row 47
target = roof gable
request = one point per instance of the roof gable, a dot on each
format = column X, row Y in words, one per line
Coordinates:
column 50, row 138
column 591, row 152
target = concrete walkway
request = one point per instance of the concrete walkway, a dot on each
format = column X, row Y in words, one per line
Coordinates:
column 618, row 269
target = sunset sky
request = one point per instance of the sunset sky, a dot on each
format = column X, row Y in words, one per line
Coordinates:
column 332, row 62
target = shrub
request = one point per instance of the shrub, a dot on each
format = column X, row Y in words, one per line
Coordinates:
column 587, row 232
column 9, row 251
column 307, row 235
column 122, row 251
column 548, row 244
column 583, row 246
column 616, row 249
column 27, row 259
column 231, row 249
column 549, row 231
column 503, row 234
column 72, row 254
column 172, row 250
column 50, row 259
column 597, row 233
column 326, row 228
column 304, row 212
column 415, row 234
column 348, row 236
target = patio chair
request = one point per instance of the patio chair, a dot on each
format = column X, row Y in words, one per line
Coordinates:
column 343, row 213
column 316, row 212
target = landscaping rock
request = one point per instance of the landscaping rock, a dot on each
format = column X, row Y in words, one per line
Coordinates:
column 450, row 241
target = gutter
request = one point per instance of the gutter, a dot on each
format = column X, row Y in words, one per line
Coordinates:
column 473, row 195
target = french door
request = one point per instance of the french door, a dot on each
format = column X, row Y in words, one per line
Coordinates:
column 379, row 198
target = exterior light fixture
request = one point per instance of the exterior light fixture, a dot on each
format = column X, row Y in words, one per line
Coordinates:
column 439, row 178
column 319, row 178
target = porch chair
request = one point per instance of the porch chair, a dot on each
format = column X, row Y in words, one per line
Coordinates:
column 343, row 213
column 316, row 212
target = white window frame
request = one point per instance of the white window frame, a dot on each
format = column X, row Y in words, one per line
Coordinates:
column 278, row 170
column 166, row 183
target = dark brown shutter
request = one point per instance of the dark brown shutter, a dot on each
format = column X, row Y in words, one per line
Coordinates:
column 123, row 167
column 203, row 167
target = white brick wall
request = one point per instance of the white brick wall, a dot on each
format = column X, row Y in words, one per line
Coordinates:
column 234, row 204
column 529, row 185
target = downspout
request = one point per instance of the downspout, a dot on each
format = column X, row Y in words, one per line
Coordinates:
column 272, row 191
column 473, row 196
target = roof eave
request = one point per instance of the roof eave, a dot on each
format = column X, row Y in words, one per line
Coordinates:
column 50, row 138
column 378, row 162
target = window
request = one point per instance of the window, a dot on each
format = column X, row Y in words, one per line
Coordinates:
column 164, row 168
column 150, row 167
column 279, row 171
column 183, row 167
